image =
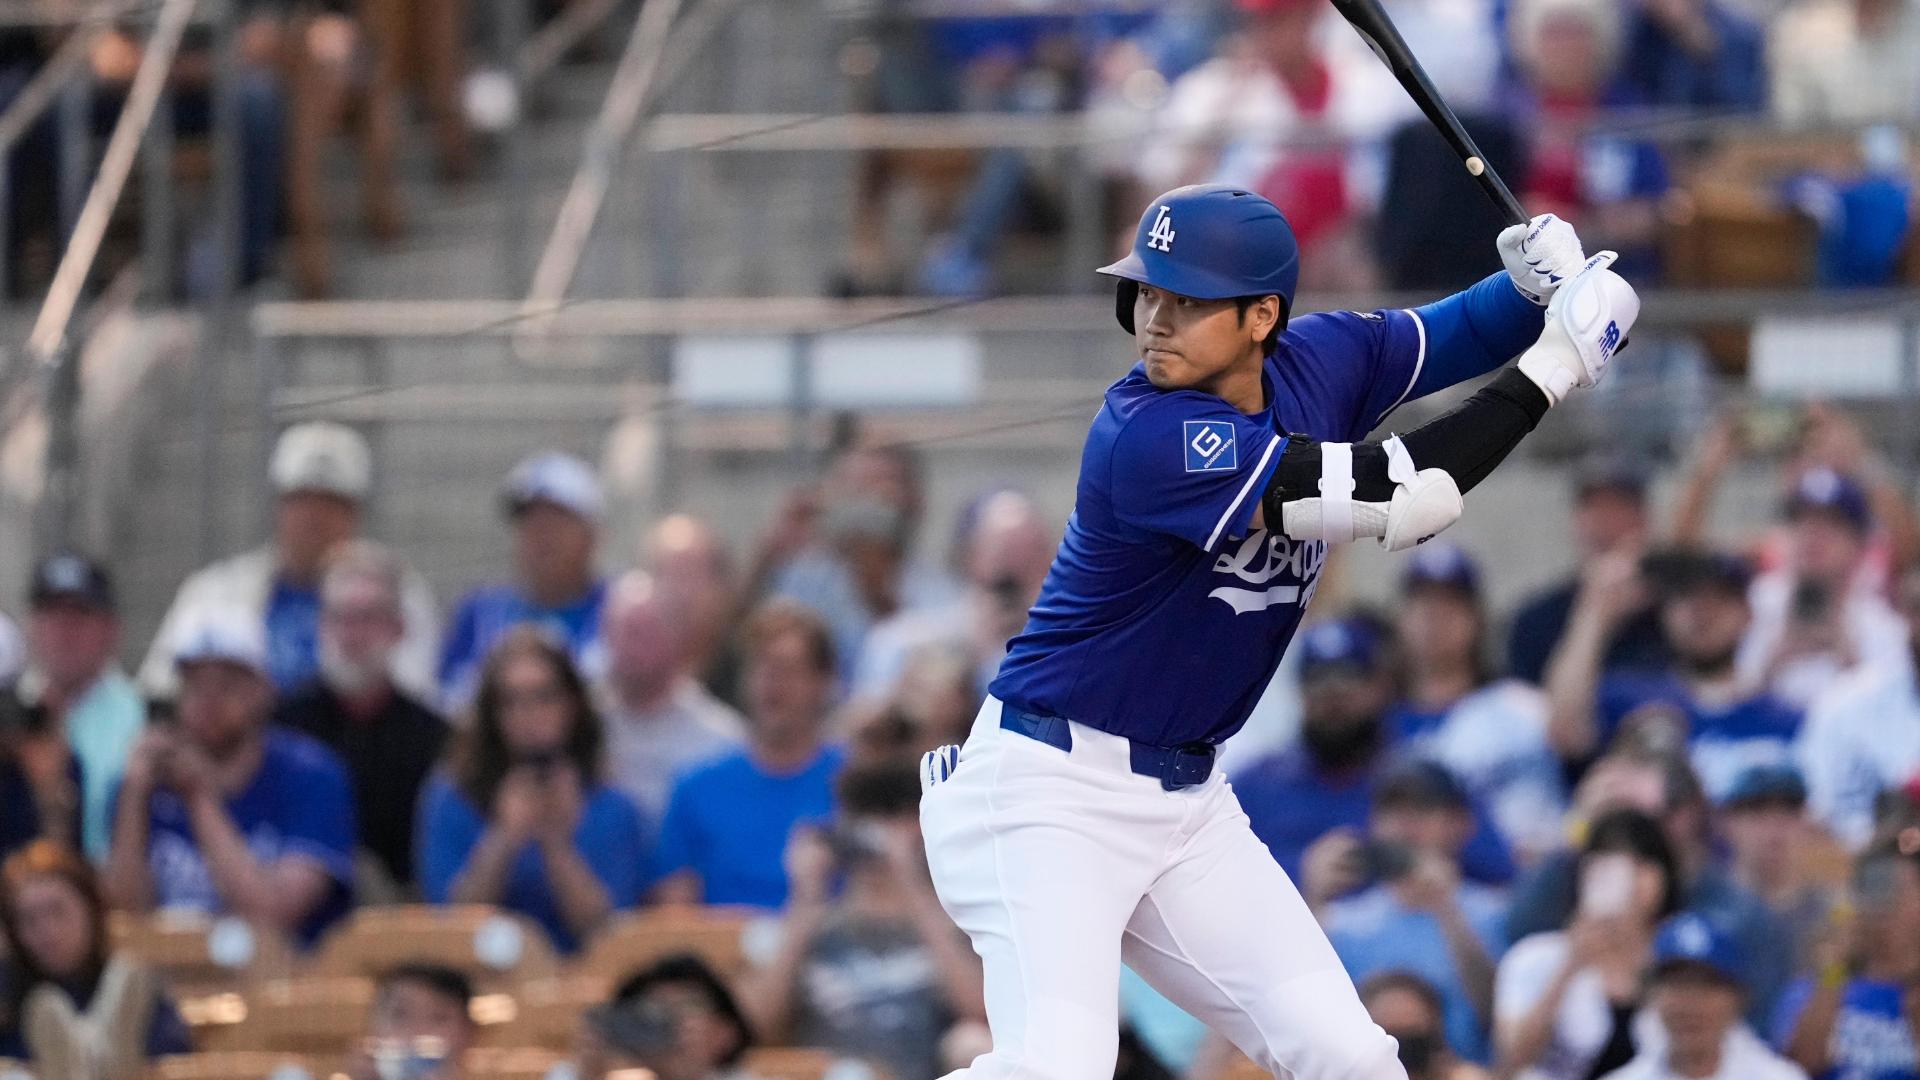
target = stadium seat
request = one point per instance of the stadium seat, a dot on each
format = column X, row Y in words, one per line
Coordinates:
column 245, row 1065
column 633, row 940
column 306, row 1015
column 488, row 1063
column 198, row 955
column 544, row 1013
column 788, row 1063
column 494, row 948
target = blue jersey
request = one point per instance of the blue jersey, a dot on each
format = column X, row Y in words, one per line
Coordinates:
column 1165, row 613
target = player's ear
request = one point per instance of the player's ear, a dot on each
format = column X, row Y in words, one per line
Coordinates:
column 1263, row 318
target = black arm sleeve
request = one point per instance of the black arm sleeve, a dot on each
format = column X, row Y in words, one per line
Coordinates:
column 1468, row 442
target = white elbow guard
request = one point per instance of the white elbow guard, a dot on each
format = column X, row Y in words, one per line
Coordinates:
column 1425, row 501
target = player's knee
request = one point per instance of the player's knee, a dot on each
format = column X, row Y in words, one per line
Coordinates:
column 1368, row 1055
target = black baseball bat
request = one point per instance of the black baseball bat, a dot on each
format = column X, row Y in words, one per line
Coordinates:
column 1379, row 32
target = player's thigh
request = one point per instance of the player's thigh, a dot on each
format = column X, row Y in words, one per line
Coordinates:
column 1044, row 892
column 1225, row 935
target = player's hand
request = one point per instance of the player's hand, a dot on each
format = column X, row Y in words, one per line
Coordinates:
column 1587, row 323
column 1541, row 255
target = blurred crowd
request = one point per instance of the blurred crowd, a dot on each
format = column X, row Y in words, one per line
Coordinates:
column 1650, row 123
column 1666, row 824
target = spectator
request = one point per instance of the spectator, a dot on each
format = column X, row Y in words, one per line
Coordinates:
column 1567, row 1003
column 1491, row 733
column 322, row 473
column 1771, row 843
column 1697, row 992
column 19, row 806
column 1415, row 912
column 1568, row 53
column 1816, row 617
column 1699, row 699
column 1411, row 1011
column 388, row 740
column 1609, row 515
column 421, row 1027
column 1326, row 780
column 1697, row 55
column 1846, row 62
column 555, row 505
column 846, row 551
column 76, row 696
column 1275, row 112
column 660, row 721
column 222, row 813
column 69, row 1004
column 521, row 817
column 729, row 821
column 676, row 1021
column 879, row 973
column 1859, row 1017
column 1862, row 736
column 1657, row 782
column 687, row 557
column 1008, row 552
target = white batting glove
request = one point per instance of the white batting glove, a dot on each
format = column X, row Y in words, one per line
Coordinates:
column 1587, row 324
column 1540, row 255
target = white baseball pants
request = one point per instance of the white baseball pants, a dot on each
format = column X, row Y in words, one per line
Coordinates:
column 1059, row 866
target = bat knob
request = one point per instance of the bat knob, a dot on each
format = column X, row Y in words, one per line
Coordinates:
column 1476, row 166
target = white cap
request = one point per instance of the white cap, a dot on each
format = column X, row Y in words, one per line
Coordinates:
column 560, row 479
column 223, row 635
column 324, row 457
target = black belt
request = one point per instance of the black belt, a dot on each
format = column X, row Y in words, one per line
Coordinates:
column 1176, row 767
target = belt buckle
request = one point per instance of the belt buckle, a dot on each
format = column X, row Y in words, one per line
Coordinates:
column 1187, row 766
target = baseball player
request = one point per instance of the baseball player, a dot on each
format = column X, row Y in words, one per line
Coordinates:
column 1083, row 823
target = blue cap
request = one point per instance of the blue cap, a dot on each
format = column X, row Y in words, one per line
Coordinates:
column 1442, row 564
column 1691, row 940
column 1339, row 643
column 1777, row 783
column 560, row 479
column 1829, row 492
column 1210, row 242
column 72, row 579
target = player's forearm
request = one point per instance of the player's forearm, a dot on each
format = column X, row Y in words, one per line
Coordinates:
column 1466, row 443
column 1473, row 332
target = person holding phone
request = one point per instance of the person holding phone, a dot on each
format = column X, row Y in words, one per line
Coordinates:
column 521, row 817
column 1567, row 1003
column 1415, row 913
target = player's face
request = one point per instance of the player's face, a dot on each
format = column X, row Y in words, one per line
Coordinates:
column 1190, row 344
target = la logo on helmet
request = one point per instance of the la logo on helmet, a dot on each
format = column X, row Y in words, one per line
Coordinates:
column 1161, row 235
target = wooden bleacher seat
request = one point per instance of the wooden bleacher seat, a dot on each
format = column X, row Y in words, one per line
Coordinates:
column 544, row 1013
column 788, row 1063
column 322, row 1015
column 487, row 1063
column 198, row 955
column 375, row 939
column 242, row 1066
column 633, row 940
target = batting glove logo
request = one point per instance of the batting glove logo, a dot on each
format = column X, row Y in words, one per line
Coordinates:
column 1210, row 446
column 1160, row 237
column 1609, row 340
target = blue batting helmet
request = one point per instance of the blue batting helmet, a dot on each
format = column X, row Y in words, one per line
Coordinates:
column 1210, row 242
